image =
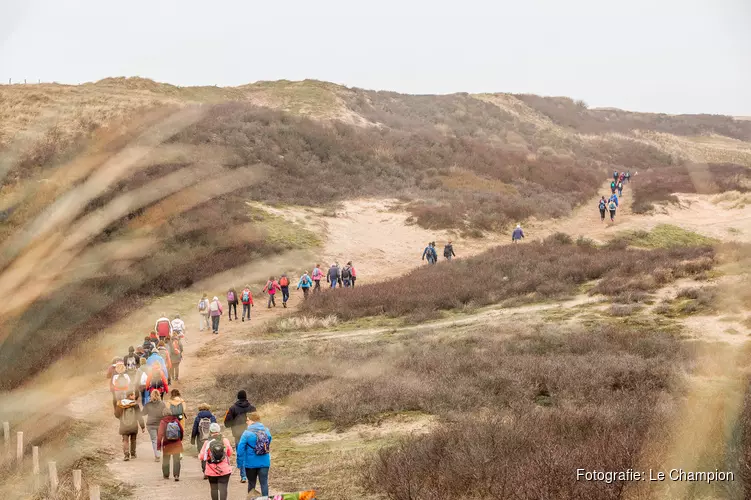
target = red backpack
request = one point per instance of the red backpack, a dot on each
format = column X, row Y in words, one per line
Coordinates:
column 283, row 281
column 162, row 328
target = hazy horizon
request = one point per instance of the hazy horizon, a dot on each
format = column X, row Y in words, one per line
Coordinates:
column 676, row 57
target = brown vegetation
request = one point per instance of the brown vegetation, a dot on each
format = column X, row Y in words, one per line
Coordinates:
column 534, row 271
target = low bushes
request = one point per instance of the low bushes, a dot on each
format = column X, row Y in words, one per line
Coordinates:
column 531, row 271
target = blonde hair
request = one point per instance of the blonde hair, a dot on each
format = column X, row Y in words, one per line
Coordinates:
column 254, row 416
column 204, row 406
column 155, row 396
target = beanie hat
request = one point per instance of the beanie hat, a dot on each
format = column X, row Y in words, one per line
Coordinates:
column 242, row 394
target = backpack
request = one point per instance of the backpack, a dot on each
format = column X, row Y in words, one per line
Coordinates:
column 203, row 428
column 262, row 443
column 214, row 305
column 283, row 281
column 316, row 273
column 172, row 432
column 602, row 205
column 306, row 280
column 176, row 410
column 346, row 273
column 216, row 452
column 176, row 347
column 121, row 382
column 131, row 363
column 447, row 250
column 230, row 296
column 246, row 295
column 156, row 377
column 129, row 417
column 163, row 328
column 203, row 305
column 612, row 205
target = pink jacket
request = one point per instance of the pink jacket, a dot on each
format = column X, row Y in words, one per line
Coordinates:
column 223, row 468
column 219, row 310
column 272, row 287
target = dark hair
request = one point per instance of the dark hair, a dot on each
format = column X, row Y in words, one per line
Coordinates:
column 175, row 393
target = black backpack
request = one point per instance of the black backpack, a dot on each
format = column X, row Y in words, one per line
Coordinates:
column 346, row 273
column 217, row 454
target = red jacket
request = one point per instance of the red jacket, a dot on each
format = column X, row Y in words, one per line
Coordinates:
column 272, row 287
column 250, row 297
column 169, row 447
column 150, row 380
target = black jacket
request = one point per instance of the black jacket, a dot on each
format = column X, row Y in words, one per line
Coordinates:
column 235, row 417
column 448, row 250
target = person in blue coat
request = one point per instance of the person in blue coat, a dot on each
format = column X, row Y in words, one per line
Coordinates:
column 614, row 198
column 305, row 283
column 201, row 428
column 156, row 358
column 256, row 465
column 518, row 234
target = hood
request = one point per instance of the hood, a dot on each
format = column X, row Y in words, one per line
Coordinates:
column 257, row 426
column 176, row 401
column 126, row 403
column 242, row 403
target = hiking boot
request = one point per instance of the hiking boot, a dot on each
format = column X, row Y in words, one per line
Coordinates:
column 177, row 479
column 230, row 319
column 285, row 305
column 127, row 457
column 133, row 456
column 156, row 459
column 243, row 318
column 243, row 480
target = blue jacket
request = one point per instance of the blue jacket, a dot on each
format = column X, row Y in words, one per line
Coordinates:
column 156, row 358
column 517, row 234
column 305, row 283
column 246, row 455
column 201, row 414
column 615, row 199
column 430, row 253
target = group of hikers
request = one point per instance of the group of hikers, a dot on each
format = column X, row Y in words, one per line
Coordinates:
column 431, row 254
column 211, row 310
column 142, row 399
column 610, row 205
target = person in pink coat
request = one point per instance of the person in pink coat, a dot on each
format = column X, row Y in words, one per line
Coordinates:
column 218, row 467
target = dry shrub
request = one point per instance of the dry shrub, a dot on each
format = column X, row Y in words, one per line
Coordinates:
column 532, row 271
column 601, row 388
column 301, row 324
column 658, row 184
column 620, row 310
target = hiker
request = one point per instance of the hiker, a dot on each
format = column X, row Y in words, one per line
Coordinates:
column 163, row 327
column 176, row 356
column 620, row 188
column 354, row 273
column 246, row 297
column 334, row 275
column 448, row 251
column 164, row 354
column 141, row 381
column 234, row 419
column 153, row 338
column 215, row 310
column 518, row 234
column 271, row 287
column 316, row 275
column 621, row 176
column 628, row 175
column 170, row 442
column 613, row 187
column 129, row 414
column 602, row 206
column 203, row 310
column 427, row 254
column 176, row 405
column 120, row 384
column 232, row 300
column 157, row 381
column 111, row 368
column 155, row 358
column 615, row 175
column 284, row 286
column 178, row 326
column 253, row 455
column 612, row 206
column 154, row 410
column 201, row 425
column 131, row 362
column 305, row 283
column 347, row 275
column 214, row 455
column 614, row 198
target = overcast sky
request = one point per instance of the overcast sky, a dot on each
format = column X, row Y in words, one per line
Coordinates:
column 674, row 56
